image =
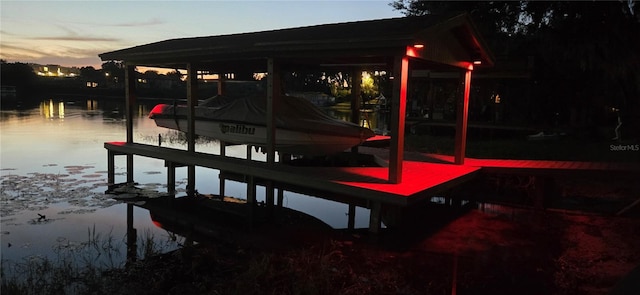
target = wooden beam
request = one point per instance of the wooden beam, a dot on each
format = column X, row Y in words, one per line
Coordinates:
column 351, row 217
column 356, row 98
column 192, row 102
column 223, row 153
column 111, row 167
column 375, row 217
column 273, row 96
column 171, row 177
column 130, row 96
column 222, row 84
column 398, row 110
column 461, row 120
column 251, row 199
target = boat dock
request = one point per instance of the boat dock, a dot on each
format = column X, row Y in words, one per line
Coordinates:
column 397, row 46
column 362, row 186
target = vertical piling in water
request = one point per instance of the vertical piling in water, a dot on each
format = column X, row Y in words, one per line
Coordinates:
column 223, row 152
column 111, row 166
column 374, row 218
column 251, row 199
column 171, row 178
column 130, row 97
column 269, row 198
column 351, row 217
column 280, row 198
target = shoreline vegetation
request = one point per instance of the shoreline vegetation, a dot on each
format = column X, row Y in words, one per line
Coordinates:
column 509, row 252
column 488, row 249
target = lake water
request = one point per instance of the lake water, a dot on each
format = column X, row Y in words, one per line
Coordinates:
column 53, row 178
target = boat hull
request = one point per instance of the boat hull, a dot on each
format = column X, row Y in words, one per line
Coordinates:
column 300, row 127
column 287, row 141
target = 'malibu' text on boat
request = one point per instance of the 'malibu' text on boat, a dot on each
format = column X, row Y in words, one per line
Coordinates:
column 301, row 128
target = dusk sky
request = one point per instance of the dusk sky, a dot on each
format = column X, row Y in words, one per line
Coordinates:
column 73, row 33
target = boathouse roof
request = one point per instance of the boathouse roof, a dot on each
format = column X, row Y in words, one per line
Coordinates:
column 447, row 39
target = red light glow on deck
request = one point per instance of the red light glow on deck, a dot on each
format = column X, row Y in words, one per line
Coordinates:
column 416, row 177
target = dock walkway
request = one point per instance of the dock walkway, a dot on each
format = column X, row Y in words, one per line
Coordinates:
column 424, row 175
column 421, row 179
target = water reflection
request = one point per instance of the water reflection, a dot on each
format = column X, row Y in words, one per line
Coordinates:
column 52, row 110
column 374, row 115
column 210, row 218
column 92, row 104
column 53, row 163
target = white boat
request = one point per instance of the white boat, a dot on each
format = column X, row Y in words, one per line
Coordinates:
column 301, row 128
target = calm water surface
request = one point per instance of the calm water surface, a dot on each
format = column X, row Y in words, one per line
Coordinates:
column 53, row 177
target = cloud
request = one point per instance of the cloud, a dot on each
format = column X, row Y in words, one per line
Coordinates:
column 76, row 38
column 19, row 52
column 61, row 55
column 151, row 22
column 72, row 35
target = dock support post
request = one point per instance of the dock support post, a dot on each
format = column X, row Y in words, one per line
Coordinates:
column 351, row 215
column 111, row 167
column 223, row 152
column 251, row 199
column 544, row 191
column 269, row 198
column 461, row 120
column 249, row 157
column 130, row 96
column 398, row 110
column 222, row 85
column 280, row 198
column 356, row 99
column 171, row 178
column 374, row 218
column 192, row 101
column 273, row 96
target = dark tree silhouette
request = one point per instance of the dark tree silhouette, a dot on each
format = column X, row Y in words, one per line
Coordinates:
column 586, row 52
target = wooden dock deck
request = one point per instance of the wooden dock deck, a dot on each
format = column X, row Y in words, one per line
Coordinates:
column 367, row 185
column 422, row 179
column 424, row 175
column 537, row 167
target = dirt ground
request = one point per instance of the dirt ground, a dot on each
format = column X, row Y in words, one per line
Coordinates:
column 485, row 249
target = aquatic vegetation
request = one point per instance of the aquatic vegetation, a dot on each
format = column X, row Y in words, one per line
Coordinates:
column 78, row 267
column 37, row 191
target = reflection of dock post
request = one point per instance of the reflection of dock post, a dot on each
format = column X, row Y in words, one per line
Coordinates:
column 351, row 215
column 132, row 236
